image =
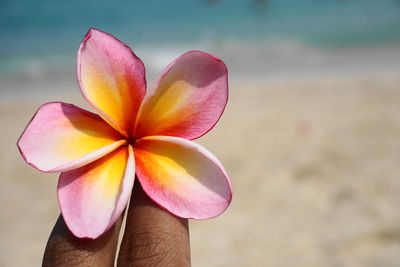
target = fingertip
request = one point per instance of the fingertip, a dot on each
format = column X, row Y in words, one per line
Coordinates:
column 65, row 249
column 153, row 236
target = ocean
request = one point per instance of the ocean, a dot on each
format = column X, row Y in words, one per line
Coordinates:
column 46, row 34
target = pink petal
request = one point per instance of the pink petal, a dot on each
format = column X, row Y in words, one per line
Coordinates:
column 187, row 99
column 62, row 136
column 111, row 78
column 93, row 197
column 182, row 177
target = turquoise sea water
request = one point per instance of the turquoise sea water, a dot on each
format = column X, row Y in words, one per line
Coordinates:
column 51, row 30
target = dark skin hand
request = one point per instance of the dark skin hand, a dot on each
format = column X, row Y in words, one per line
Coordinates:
column 152, row 237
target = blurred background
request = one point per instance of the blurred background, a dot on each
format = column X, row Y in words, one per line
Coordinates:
column 310, row 136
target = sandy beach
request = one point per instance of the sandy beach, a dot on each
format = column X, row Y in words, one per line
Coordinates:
column 313, row 159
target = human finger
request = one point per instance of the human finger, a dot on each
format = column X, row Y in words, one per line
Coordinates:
column 153, row 236
column 65, row 249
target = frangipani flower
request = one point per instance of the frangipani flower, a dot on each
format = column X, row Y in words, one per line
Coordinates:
column 147, row 133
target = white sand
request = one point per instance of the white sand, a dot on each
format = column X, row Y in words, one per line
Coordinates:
column 314, row 162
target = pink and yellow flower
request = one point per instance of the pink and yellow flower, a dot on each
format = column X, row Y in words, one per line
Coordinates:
column 147, row 133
